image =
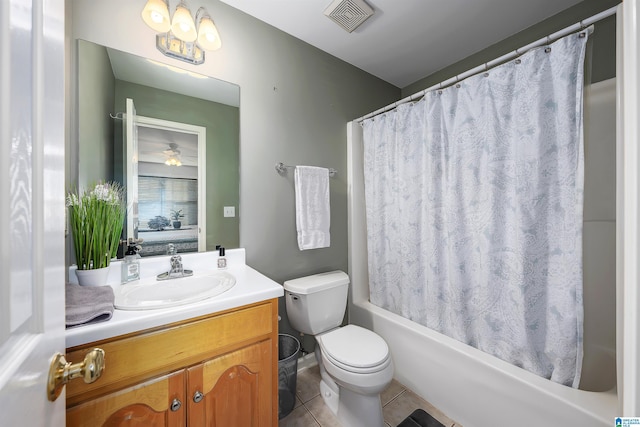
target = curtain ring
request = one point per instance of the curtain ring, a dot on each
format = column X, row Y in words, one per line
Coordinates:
column 548, row 49
column 517, row 61
column 458, row 86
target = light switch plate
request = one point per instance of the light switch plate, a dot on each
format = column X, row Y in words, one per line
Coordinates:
column 229, row 211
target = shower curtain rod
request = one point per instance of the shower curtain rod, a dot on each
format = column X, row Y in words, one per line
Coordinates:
column 487, row 65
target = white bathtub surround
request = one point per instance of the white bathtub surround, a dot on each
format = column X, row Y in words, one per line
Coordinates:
column 250, row 287
column 628, row 205
column 474, row 201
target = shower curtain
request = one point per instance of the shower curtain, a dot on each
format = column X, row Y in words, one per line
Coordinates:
column 474, row 202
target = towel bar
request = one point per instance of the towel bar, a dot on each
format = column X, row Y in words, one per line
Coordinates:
column 281, row 168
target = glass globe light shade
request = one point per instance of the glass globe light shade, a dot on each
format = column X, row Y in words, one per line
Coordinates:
column 183, row 26
column 156, row 15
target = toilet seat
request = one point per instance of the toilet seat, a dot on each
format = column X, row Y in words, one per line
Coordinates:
column 355, row 349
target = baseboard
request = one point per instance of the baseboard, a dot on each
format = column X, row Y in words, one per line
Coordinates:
column 307, row 361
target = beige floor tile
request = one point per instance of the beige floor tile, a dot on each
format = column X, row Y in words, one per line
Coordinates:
column 322, row 413
column 310, row 410
column 391, row 392
column 299, row 417
column 298, row 403
column 308, row 383
column 402, row 406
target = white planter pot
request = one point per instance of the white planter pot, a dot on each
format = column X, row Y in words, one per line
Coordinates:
column 96, row 277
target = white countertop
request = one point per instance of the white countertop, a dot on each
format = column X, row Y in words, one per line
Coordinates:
column 251, row 286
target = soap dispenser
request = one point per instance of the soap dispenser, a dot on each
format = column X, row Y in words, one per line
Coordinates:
column 130, row 265
column 222, row 260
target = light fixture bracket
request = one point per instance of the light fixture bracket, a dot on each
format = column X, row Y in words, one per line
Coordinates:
column 173, row 47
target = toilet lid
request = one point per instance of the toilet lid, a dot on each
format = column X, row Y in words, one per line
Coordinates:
column 355, row 347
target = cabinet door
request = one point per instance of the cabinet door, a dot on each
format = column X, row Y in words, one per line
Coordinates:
column 233, row 389
column 157, row 402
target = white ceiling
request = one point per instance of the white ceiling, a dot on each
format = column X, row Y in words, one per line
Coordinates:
column 405, row 40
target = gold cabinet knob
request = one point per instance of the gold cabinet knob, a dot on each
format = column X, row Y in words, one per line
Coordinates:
column 61, row 371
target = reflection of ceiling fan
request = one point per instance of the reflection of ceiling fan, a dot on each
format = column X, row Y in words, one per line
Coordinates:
column 173, row 155
column 160, row 147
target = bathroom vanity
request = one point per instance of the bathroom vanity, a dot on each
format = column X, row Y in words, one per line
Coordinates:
column 212, row 362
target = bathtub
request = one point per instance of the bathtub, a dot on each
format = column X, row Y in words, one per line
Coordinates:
column 474, row 388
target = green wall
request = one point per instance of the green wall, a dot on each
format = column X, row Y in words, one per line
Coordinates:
column 222, row 164
column 96, row 85
column 603, row 42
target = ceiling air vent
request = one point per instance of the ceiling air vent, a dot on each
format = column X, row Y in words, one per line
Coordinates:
column 349, row 14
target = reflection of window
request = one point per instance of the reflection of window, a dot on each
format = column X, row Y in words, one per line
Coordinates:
column 161, row 195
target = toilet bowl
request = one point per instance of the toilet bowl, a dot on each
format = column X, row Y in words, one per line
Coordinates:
column 356, row 358
column 355, row 363
column 358, row 361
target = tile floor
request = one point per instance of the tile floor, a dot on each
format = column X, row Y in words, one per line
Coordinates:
column 398, row 403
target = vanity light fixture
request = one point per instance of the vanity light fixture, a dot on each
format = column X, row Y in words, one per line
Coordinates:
column 181, row 37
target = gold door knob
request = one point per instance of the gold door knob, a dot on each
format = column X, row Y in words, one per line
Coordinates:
column 61, row 371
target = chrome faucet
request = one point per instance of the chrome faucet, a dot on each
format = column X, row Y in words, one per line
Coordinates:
column 176, row 265
column 176, row 270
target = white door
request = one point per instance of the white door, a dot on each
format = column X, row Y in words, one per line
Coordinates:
column 32, row 276
column 131, row 169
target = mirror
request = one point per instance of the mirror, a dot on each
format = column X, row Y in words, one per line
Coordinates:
column 164, row 96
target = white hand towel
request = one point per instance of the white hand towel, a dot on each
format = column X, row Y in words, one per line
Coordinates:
column 313, row 213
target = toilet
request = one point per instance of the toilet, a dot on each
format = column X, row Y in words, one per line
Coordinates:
column 355, row 363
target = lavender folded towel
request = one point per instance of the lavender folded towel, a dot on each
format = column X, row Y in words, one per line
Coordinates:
column 88, row 304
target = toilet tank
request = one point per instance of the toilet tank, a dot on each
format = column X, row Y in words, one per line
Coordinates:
column 317, row 303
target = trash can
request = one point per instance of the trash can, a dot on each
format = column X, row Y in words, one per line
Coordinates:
column 288, row 348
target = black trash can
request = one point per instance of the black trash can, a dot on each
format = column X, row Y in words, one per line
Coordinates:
column 288, row 348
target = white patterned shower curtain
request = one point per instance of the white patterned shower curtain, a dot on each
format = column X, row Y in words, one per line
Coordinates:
column 474, row 201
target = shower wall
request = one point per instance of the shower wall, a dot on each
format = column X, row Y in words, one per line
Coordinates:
column 599, row 235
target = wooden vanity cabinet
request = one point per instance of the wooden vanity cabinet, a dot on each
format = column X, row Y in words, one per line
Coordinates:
column 218, row 370
column 226, row 391
column 146, row 404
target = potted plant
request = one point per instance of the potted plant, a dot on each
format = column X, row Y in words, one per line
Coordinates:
column 158, row 223
column 96, row 218
column 176, row 215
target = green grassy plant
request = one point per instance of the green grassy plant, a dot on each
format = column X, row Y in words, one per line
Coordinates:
column 96, row 219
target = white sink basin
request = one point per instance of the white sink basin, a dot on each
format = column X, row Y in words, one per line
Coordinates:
column 152, row 294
